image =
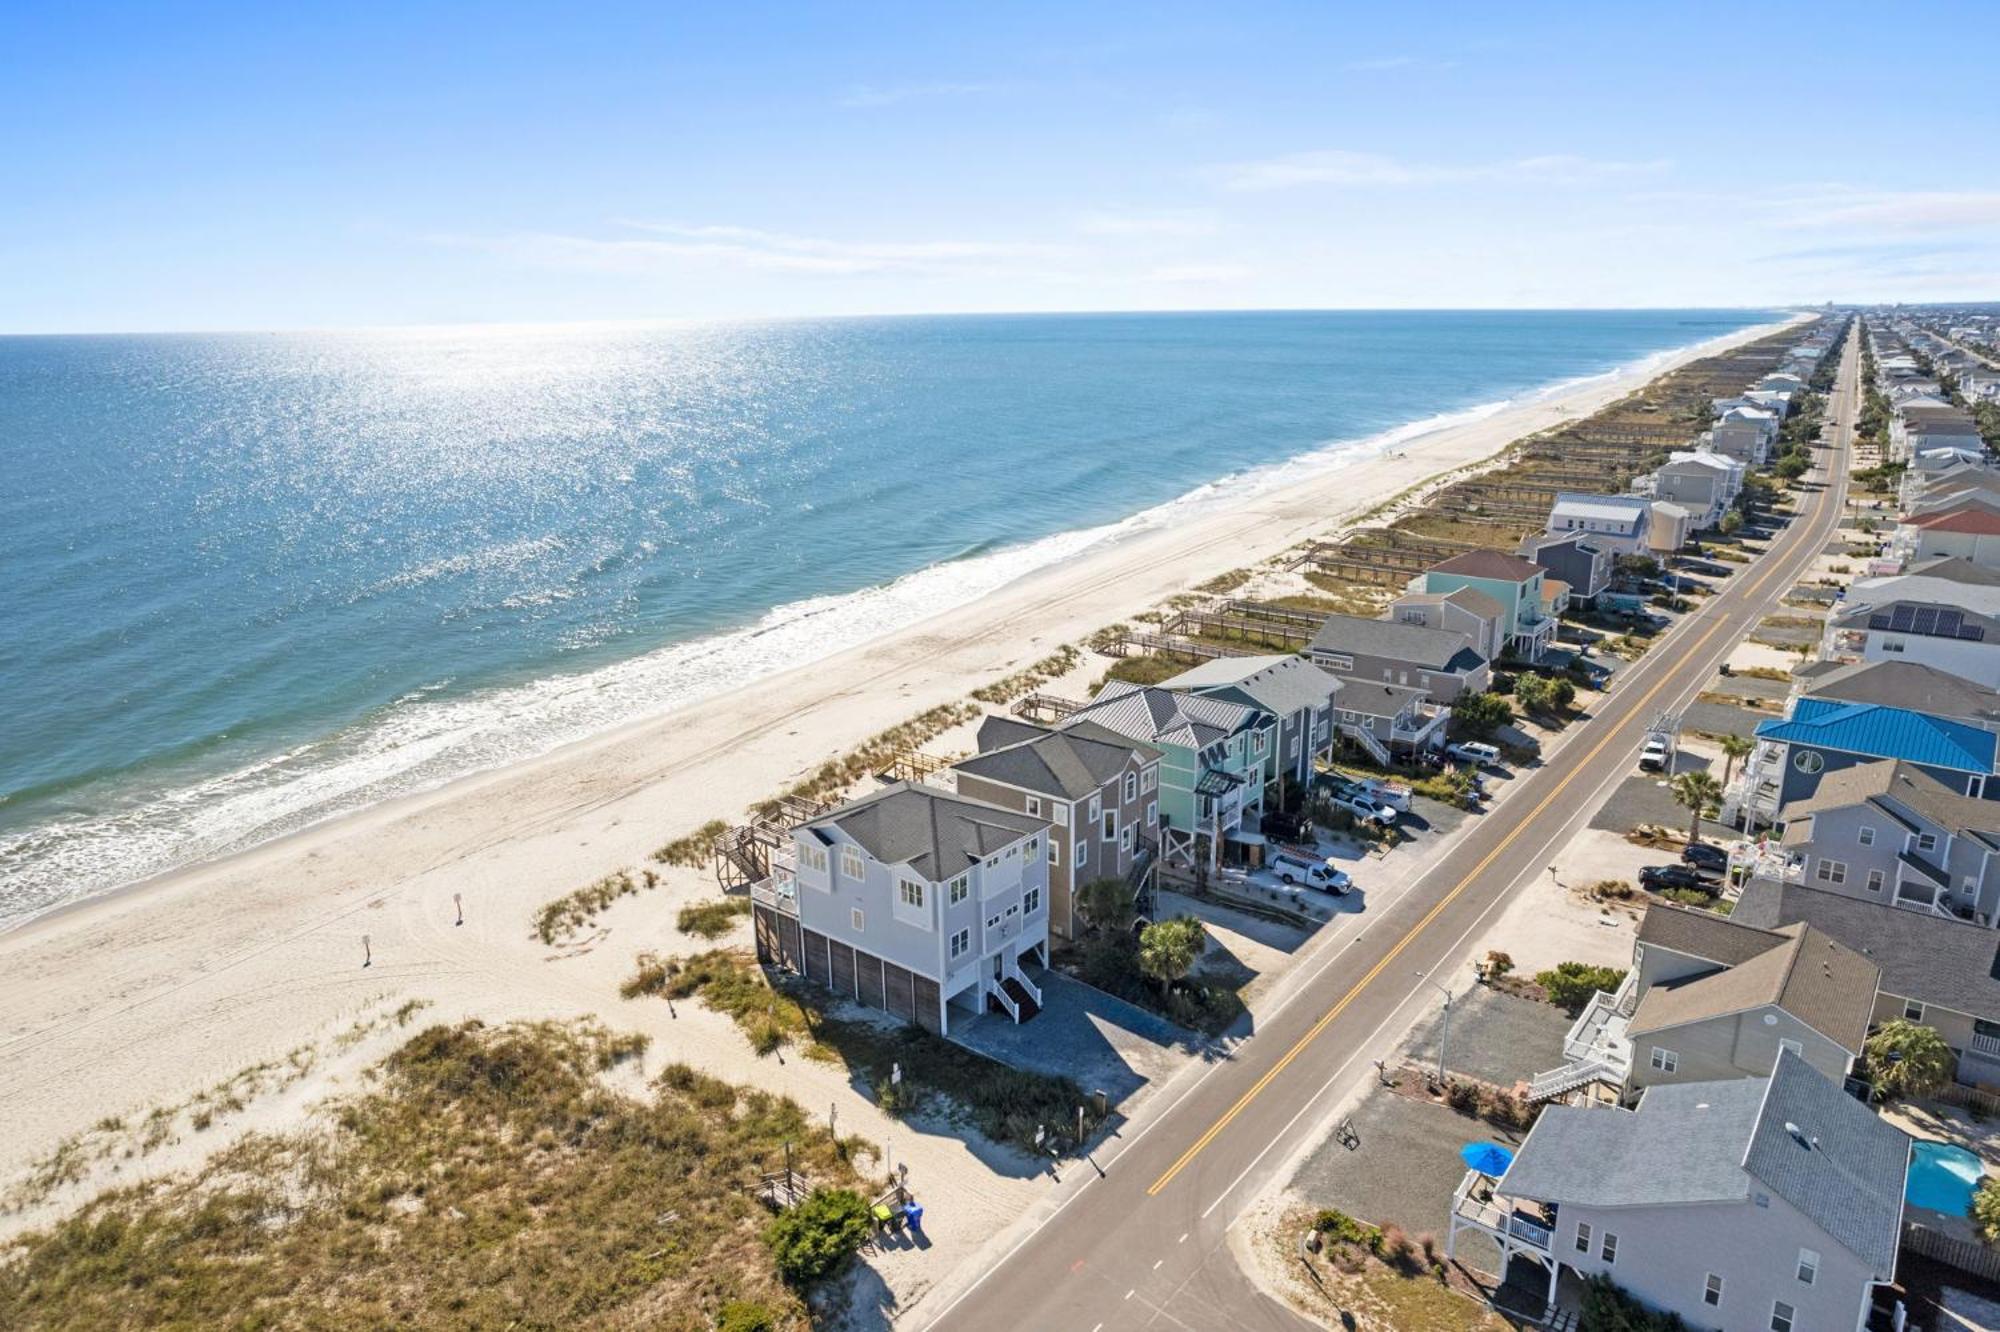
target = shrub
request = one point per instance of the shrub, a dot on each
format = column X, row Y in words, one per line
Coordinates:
column 1479, row 716
column 1462, row 1096
column 812, row 1240
column 1616, row 890
column 1694, row 897
column 1986, row 1208
column 1498, row 963
column 1398, row 1250
column 1607, row 1308
column 1571, row 984
column 745, row 1316
column 560, row 919
column 1338, row 1226
column 1908, row 1059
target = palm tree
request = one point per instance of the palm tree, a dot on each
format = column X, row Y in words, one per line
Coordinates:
column 1734, row 747
column 1700, row 794
column 1168, row 949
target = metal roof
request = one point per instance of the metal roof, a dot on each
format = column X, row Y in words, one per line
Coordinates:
column 1884, row 732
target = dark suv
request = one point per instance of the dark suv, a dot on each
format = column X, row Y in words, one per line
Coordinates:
column 1707, row 858
column 1657, row 877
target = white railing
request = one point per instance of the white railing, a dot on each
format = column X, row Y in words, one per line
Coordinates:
column 1496, row 1217
column 1020, row 978
column 1569, row 1077
column 1007, row 1003
column 778, row 894
column 1988, row 1046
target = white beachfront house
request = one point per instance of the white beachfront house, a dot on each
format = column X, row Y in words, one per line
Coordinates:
column 915, row 901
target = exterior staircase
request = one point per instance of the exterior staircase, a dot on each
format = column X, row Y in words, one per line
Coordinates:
column 1362, row 736
column 1562, row 1081
column 1025, row 1006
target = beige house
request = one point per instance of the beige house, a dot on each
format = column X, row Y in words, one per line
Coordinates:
column 1708, row 998
column 1098, row 789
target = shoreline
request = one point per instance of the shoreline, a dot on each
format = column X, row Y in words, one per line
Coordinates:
column 209, row 818
column 178, row 979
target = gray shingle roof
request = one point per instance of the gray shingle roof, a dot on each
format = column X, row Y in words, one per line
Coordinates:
column 1280, row 684
column 1794, row 1133
column 1430, row 649
column 1902, row 684
column 1843, row 1167
column 1068, row 764
column 1494, row 564
column 1952, row 964
column 1725, row 942
column 1895, row 787
column 936, row 833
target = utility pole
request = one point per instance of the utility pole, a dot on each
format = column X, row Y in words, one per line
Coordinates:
column 1444, row 1036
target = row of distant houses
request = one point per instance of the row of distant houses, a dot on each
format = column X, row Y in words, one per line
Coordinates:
column 1702, row 1144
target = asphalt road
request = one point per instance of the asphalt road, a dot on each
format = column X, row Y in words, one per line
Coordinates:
column 1144, row 1243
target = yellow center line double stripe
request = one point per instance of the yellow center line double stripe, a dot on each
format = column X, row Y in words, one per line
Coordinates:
column 1312, row 1034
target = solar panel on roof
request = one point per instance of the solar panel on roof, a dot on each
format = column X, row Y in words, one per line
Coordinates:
column 1949, row 623
column 1923, row 620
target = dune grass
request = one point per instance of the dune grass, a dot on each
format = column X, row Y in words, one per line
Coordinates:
column 711, row 919
column 489, row 1179
column 559, row 920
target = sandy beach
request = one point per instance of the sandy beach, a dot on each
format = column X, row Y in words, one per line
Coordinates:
column 137, row 999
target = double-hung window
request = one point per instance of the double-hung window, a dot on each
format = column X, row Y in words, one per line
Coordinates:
column 1808, row 1267
column 1782, row 1315
column 961, row 943
column 1666, row 1061
column 1711, row 1292
column 1609, row 1250
column 1831, row 871
column 1865, row 836
column 1131, row 787
column 1926, row 841
column 913, row 893
column 960, row 889
column 1031, row 901
column 851, row 864
column 1583, row 1237
column 1110, row 825
column 1082, row 853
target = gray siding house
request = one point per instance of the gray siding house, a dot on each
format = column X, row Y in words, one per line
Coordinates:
column 1709, row 998
column 1889, row 832
column 915, row 901
column 1746, row 1204
column 1436, row 662
column 1574, row 558
column 1943, row 973
column 1099, row 790
column 1466, row 611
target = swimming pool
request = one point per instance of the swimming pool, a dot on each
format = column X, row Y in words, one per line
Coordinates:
column 1942, row 1178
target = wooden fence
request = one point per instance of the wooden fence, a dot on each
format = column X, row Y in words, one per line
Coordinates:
column 1965, row 1255
column 1971, row 1098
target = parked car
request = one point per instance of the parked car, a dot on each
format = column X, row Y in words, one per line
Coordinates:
column 1361, row 807
column 1656, row 754
column 1657, row 877
column 1321, row 874
column 1706, row 857
column 1476, row 752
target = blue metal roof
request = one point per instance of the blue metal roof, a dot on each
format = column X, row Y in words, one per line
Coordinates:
column 1884, row 732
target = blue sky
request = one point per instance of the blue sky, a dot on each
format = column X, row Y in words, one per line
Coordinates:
column 276, row 166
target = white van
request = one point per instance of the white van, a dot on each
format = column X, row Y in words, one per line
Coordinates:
column 1320, row 874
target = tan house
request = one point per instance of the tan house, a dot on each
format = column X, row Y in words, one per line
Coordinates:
column 1098, row 789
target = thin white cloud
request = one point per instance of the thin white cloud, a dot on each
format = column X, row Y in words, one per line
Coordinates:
column 1199, row 273
column 1353, row 170
column 1105, row 222
column 867, row 94
column 666, row 245
column 1903, row 212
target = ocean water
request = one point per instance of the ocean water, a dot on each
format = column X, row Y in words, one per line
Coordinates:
column 256, row 580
